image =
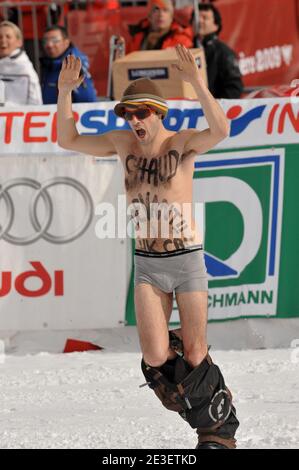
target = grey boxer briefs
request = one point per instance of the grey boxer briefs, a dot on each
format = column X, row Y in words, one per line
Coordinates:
column 181, row 270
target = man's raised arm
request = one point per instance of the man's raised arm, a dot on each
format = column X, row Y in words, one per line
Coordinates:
column 201, row 141
column 67, row 134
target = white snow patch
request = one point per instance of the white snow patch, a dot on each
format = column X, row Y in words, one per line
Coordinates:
column 93, row 400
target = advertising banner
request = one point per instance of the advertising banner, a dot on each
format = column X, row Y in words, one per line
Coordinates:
column 55, row 271
column 267, row 50
column 242, row 256
column 253, row 123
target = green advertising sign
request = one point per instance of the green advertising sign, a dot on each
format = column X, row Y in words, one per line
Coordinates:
column 245, row 205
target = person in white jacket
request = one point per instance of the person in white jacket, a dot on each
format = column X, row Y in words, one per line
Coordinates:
column 19, row 79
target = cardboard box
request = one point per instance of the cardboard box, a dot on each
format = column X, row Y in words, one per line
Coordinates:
column 157, row 66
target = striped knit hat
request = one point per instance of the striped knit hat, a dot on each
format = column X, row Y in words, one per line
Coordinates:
column 142, row 91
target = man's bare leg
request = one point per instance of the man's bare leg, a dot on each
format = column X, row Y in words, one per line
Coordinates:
column 154, row 340
column 193, row 309
column 153, row 310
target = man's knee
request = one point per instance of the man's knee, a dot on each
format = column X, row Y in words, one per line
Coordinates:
column 155, row 358
column 194, row 355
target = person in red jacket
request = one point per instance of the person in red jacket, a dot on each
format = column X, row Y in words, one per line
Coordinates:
column 159, row 30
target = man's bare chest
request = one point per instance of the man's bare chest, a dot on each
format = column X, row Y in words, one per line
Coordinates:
column 155, row 171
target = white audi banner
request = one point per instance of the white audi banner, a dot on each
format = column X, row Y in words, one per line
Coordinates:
column 59, row 270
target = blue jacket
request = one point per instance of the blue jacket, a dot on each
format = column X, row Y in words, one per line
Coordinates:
column 50, row 69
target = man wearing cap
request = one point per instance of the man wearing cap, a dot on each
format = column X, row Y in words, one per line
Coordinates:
column 158, row 171
column 159, row 30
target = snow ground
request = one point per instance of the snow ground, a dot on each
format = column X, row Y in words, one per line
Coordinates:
column 93, row 400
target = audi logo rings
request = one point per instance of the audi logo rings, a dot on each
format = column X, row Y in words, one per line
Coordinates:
column 41, row 227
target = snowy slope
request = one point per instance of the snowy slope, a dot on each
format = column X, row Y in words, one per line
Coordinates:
column 93, row 400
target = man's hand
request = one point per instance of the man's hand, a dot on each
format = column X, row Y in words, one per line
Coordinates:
column 69, row 77
column 186, row 66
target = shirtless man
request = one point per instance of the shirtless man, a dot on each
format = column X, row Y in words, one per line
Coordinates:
column 158, row 166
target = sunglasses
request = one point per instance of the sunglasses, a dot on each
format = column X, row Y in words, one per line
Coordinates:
column 46, row 41
column 140, row 114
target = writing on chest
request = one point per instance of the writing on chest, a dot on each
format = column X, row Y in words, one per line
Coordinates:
column 153, row 171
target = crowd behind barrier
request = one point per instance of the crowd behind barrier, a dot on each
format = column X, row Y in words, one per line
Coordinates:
column 265, row 59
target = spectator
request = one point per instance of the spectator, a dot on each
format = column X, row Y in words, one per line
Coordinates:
column 57, row 46
column 224, row 76
column 17, row 72
column 159, row 30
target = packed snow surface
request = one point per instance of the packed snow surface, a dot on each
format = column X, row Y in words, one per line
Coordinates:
column 93, row 400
